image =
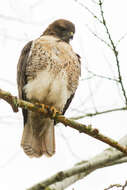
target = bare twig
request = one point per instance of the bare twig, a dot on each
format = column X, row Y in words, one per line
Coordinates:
column 101, row 76
column 110, row 45
column 114, row 51
column 99, row 113
column 47, row 111
column 94, row 2
column 86, row 78
column 114, row 185
column 117, row 185
column 98, row 37
column 82, row 5
column 122, row 37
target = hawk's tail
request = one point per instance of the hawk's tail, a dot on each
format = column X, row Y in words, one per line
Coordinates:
column 36, row 142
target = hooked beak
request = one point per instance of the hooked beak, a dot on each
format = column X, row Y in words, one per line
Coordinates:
column 68, row 37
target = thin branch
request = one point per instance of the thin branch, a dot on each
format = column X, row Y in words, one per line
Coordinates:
column 117, row 185
column 114, row 51
column 114, row 185
column 98, row 37
column 47, row 112
column 63, row 179
column 98, row 113
column 122, row 37
column 94, row 2
column 86, row 78
column 82, row 5
column 101, row 76
column 111, row 45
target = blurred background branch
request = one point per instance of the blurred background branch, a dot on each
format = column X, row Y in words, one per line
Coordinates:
column 63, row 179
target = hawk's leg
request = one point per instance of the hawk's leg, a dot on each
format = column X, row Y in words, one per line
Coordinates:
column 53, row 111
column 42, row 107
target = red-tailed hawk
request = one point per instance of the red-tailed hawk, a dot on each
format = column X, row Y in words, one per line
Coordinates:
column 48, row 73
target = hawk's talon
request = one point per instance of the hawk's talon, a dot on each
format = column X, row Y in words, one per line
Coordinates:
column 43, row 107
column 47, row 107
column 54, row 111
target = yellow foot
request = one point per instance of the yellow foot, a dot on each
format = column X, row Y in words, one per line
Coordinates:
column 43, row 107
column 53, row 111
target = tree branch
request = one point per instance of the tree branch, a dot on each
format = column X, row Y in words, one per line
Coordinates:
column 117, row 185
column 47, row 112
column 114, row 49
column 63, row 179
column 98, row 37
column 101, row 76
column 111, row 43
column 99, row 113
column 92, row 13
column 122, row 37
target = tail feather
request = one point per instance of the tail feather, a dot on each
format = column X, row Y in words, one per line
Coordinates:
column 31, row 144
column 48, row 141
column 37, row 140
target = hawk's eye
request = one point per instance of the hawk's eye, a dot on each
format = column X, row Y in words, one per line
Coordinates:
column 62, row 29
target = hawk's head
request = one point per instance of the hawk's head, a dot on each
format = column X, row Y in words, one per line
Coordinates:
column 62, row 29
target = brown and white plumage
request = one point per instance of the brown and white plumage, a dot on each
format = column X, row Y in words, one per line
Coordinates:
column 48, row 72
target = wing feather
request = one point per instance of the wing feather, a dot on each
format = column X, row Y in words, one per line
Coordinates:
column 72, row 95
column 21, row 77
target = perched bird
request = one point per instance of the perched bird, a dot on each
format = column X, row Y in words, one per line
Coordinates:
column 48, row 73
